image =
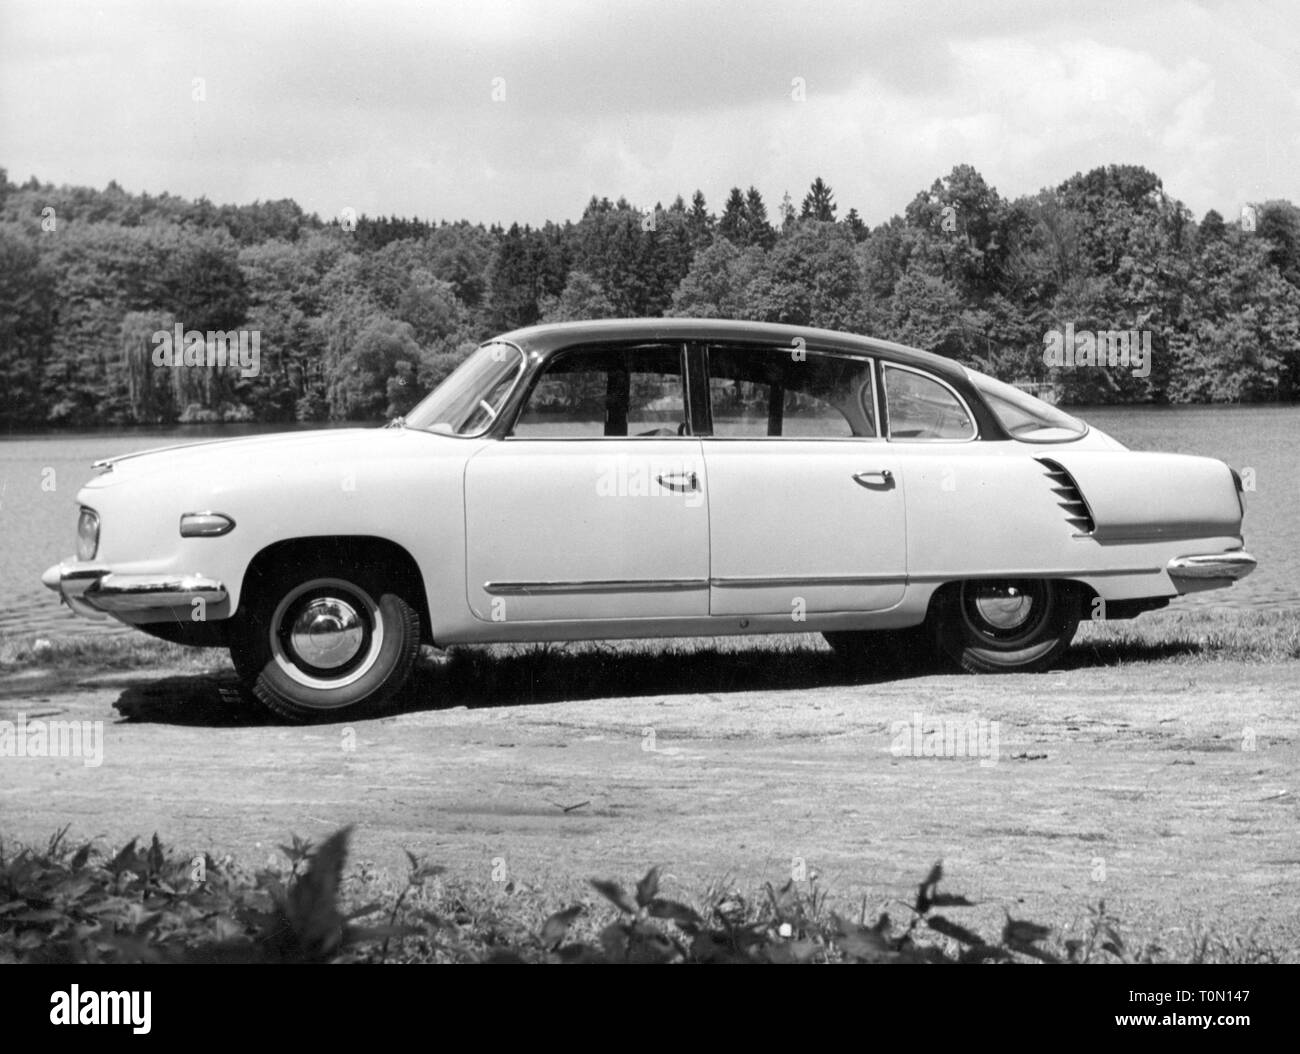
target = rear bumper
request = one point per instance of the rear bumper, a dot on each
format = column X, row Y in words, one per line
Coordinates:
column 1201, row 571
column 94, row 590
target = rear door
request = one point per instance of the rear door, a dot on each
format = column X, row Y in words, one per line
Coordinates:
column 806, row 510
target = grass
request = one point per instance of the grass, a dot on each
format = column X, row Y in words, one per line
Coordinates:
column 1192, row 635
column 1184, row 635
column 128, row 650
column 61, row 903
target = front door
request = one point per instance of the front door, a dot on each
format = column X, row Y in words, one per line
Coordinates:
column 594, row 507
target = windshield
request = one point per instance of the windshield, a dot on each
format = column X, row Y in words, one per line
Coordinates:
column 1025, row 417
column 471, row 397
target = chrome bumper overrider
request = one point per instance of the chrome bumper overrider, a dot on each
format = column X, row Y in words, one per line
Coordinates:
column 92, row 590
column 1223, row 566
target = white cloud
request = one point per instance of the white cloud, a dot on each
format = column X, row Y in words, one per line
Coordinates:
column 386, row 106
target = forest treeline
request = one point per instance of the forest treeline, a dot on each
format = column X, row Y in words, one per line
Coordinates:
column 357, row 319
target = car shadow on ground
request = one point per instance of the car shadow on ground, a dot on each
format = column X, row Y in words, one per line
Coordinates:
column 215, row 700
column 490, row 677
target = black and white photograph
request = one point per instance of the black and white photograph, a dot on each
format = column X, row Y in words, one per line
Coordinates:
column 651, row 482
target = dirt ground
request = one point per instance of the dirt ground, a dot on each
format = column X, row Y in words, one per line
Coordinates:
column 1168, row 789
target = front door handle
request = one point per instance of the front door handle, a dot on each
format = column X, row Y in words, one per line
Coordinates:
column 879, row 478
column 679, row 481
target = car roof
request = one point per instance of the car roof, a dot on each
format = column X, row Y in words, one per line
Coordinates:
column 545, row 339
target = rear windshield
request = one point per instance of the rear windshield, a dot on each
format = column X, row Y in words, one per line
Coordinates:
column 1026, row 418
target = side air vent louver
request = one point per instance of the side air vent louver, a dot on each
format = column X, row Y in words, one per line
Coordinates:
column 1069, row 497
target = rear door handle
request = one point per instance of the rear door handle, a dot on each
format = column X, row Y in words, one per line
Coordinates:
column 878, row 478
column 679, row 481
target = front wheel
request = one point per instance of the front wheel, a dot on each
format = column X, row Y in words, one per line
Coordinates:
column 323, row 643
column 1010, row 625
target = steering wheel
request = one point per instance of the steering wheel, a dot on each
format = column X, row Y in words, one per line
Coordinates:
column 484, row 408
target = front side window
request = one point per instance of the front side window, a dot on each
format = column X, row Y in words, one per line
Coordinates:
column 469, row 400
column 790, row 394
column 922, row 407
column 607, row 392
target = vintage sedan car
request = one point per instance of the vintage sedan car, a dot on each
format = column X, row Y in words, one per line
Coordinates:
column 653, row 478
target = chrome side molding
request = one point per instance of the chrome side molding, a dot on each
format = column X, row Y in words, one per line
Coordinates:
column 604, row 585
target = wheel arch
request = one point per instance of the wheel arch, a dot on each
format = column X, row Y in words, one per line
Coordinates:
column 946, row 592
column 350, row 551
column 1031, row 639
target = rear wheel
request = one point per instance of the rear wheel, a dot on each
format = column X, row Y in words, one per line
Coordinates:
column 323, row 643
column 1008, row 625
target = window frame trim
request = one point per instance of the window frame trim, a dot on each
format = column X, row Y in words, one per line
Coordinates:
column 889, row 422
column 835, row 353
column 682, row 348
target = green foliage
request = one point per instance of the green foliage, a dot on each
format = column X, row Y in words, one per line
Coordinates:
column 1279, row 229
column 583, row 298
column 818, row 203
column 788, row 925
column 27, row 299
column 358, row 391
column 205, row 287
column 744, row 220
column 963, row 272
column 813, row 279
column 856, row 225
column 723, row 282
column 150, row 904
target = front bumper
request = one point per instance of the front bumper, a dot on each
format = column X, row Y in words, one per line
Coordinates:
column 1201, row 572
column 94, row 590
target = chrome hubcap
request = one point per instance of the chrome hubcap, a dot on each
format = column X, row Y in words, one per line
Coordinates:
column 1005, row 613
column 327, row 633
column 1004, row 609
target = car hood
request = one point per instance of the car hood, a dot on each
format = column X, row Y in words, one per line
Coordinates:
column 274, row 453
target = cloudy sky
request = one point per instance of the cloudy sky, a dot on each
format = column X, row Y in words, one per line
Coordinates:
column 502, row 111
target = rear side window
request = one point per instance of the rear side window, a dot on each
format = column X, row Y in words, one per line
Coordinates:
column 922, row 407
column 790, row 393
column 1028, row 419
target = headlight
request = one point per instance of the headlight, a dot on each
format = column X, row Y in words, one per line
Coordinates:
column 87, row 534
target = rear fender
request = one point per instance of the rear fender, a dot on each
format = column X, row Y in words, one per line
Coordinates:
column 1137, row 497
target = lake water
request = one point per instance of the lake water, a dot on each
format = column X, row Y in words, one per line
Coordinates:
column 40, row 477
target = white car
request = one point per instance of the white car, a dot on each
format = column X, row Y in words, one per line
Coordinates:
column 652, row 478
